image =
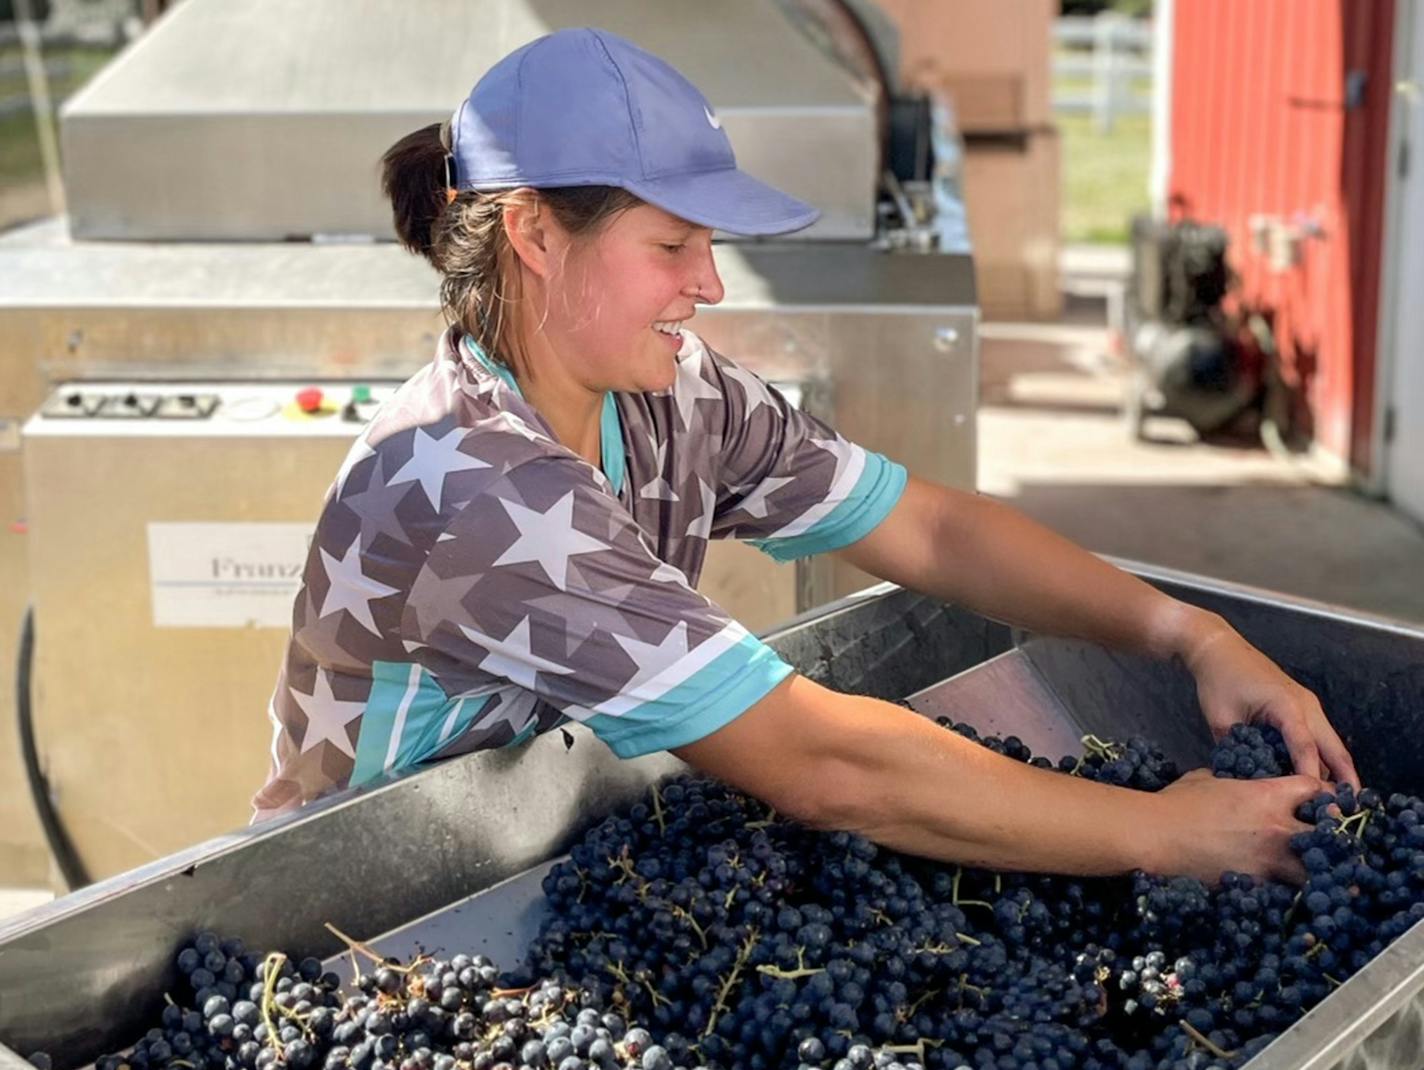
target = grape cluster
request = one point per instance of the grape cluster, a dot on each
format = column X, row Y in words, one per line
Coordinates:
column 700, row 929
column 266, row 1013
column 753, row 942
column 1250, row 753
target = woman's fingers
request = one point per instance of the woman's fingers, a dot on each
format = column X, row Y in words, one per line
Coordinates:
column 1300, row 741
column 1332, row 749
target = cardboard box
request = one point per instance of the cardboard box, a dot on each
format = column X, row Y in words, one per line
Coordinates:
column 993, row 57
column 1011, row 193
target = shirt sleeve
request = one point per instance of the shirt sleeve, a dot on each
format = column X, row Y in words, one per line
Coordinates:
column 544, row 581
column 790, row 485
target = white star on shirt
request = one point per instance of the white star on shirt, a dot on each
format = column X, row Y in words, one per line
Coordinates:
column 755, row 504
column 666, row 573
column 510, row 658
column 690, row 386
column 755, row 390
column 658, row 487
column 509, row 421
column 350, row 588
column 835, row 447
column 514, row 711
column 360, row 450
column 433, row 459
column 653, row 658
column 549, row 538
column 701, row 525
column 327, row 716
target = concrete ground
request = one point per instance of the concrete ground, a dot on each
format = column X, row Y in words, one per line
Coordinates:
column 1053, row 443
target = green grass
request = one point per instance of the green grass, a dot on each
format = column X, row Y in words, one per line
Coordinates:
column 1104, row 177
column 19, row 144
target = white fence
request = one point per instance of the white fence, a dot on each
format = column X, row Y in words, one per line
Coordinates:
column 1113, row 55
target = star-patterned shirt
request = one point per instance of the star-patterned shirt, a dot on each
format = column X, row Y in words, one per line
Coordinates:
column 472, row 582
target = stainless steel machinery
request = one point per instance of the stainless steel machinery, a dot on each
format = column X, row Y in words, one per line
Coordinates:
column 86, row 973
column 226, row 225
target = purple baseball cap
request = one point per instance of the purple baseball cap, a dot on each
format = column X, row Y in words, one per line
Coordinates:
column 585, row 107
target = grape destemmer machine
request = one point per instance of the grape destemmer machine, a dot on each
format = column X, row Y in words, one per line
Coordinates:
column 451, row 856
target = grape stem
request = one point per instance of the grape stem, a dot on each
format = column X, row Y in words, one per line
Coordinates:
column 1196, row 1035
column 1102, row 748
column 271, row 966
column 965, row 986
column 1290, row 914
column 801, row 970
column 789, row 975
column 509, row 993
column 658, row 811
column 954, row 892
column 353, row 944
column 730, row 981
column 686, row 915
column 764, row 822
column 917, row 1048
column 910, row 1011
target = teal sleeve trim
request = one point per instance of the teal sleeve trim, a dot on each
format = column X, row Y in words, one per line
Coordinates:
column 408, row 718
column 875, row 494
column 710, row 699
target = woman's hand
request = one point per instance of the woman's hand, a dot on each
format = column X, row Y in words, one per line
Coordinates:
column 1236, row 683
column 1209, row 826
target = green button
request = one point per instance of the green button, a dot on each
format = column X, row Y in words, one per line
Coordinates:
column 360, row 393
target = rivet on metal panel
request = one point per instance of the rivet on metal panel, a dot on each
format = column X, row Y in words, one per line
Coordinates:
column 946, row 338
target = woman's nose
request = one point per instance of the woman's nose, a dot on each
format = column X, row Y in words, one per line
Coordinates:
column 706, row 283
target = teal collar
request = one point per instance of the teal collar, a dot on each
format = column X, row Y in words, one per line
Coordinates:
column 610, row 430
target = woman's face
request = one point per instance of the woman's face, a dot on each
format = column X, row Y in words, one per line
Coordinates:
column 615, row 308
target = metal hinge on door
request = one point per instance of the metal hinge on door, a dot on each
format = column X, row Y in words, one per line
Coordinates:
column 1357, row 82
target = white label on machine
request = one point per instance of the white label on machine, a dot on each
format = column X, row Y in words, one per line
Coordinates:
column 225, row 575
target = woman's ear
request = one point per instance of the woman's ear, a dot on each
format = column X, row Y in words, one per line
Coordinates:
column 533, row 234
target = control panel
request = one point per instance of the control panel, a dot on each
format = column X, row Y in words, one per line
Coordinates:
column 216, row 407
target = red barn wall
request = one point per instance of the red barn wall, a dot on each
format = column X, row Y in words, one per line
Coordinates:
column 1263, row 124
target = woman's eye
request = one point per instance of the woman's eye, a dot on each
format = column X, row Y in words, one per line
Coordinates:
column 673, row 248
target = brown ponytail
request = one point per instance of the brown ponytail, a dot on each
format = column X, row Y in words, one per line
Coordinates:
column 413, row 177
column 464, row 238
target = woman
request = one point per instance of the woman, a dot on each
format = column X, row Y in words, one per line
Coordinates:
column 515, row 539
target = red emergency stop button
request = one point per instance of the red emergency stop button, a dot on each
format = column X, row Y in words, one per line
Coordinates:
column 309, row 399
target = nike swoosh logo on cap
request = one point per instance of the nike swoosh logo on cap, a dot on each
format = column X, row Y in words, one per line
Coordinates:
column 712, row 120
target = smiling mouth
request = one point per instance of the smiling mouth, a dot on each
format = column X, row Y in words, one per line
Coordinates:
column 669, row 327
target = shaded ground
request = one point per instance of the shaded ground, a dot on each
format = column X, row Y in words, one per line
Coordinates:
column 1052, row 442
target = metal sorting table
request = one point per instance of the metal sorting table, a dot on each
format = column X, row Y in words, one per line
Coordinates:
column 451, row 857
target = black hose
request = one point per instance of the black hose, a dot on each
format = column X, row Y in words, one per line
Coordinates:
column 71, row 868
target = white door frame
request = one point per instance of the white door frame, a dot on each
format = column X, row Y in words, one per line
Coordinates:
column 1407, row 103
